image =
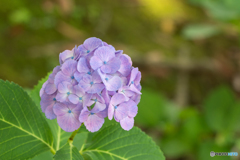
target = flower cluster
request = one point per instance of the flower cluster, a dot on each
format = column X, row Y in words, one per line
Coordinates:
column 93, row 81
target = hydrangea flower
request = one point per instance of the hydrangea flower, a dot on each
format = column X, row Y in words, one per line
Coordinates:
column 92, row 82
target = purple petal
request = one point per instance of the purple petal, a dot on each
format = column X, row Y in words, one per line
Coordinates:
column 111, row 66
column 134, row 73
column 102, row 114
column 82, row 65
column 138, row 78
column 132, row 108
column 60, row 77
column 127, row 123
column 96, row 77
column 78, row 76
column 134, row 89
column 98, row 107
column 117, row 99
column 136, row 98
column 110, row 111
column 94, row 123
column 65, row 55
column 69, row 67
column 50, row 88
column 84, row 115
column 85, row 82
column 104, row 53
column 121, row 111
column 86, row 99
column 92, row 43
column 126, row 65
column 68, row 122
column 106, row 96
column 49, row 112
column 78, row 91
column 47, row 100
column 95, row 62
column 118, row 53
column 62, row 97
column 95, row 88
column 63, row 87
column 42, row 89
column 113, row 84
column 73, row 98
column 60, row 109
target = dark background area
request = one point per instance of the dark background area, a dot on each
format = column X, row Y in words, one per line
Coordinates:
column 187, row 50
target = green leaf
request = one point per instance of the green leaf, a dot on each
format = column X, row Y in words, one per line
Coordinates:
column 59, row 135
column 24, row 131
column 150, row 117
column 68, row 152
column 218, row 107
column 114, row 143
column 200, row 31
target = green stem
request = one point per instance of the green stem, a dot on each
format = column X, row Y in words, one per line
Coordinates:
column 70, row 139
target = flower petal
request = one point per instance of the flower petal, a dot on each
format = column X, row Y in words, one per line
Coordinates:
column 63, row 87
column 117, row 99
column 62, row 97
column 69, row 67
column 60, row 77
column 92, row 43
column 132, row 108
column 42, row 89
column 50, row 88
column 60, row 109
column 95, row 88
column 98, row 107
column 73, row 98
column 84, row 115
column 127, row 123
column 126, row 65
column 96, row 62
column 68, row 122
column 94, row 123
column 104, row 53
column 110, row 112
column 111, row 66
column 49, row 112
column 82, row 65
column 78, row 76
column 113, row 84
column 121, row 111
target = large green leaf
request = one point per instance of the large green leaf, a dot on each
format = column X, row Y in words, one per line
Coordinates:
column 60, row 136
column 218, row 109
column 113, row 142
column 68, row 152
column 24, row 132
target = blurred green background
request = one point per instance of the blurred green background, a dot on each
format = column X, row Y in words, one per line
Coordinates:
column 187, row 50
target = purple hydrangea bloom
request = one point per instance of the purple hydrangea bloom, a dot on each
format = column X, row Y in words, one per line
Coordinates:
column 93, row 81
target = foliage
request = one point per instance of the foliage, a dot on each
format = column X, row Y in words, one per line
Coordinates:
column 26, row 133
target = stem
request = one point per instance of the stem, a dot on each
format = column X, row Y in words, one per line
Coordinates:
column 70, row 139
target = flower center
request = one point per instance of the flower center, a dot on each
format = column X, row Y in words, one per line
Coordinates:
column 115, row 107
column 72, row 77
column 88, row 51
column 68, row 93
column 89, row 73
column 104, row 62
column 132, row 82
column 72, row 57
column 69, row 111
column 123, row 91
column 106, row 79
column 54, row 99
column 92, row 113
column 95, row 100
column 91, row 83
column 80, row 98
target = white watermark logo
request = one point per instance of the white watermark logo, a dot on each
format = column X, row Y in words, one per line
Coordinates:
column 212, row 154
